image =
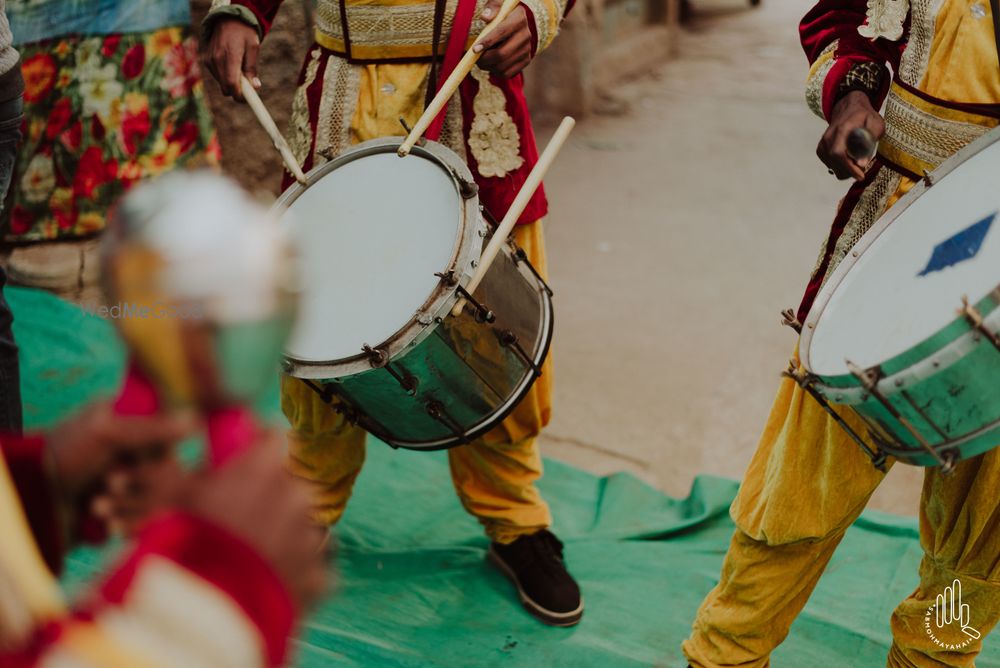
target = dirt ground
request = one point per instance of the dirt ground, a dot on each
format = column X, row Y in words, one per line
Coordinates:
column 683, row 220
column 247, row 153
column 679, row 230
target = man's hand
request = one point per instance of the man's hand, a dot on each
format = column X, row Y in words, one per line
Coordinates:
column 254, row 497
column 507, row 48
column 854, row 110
column 231, row 54
column 85, row 448
column 137, row 488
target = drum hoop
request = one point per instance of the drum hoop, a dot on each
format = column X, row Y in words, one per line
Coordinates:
column 863, row 244
column 931, row 365
column 907, row 453
column 442, row 299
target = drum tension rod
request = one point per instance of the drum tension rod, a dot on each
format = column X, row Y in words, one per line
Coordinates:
column 447, row 277
column 975, row 319
column 869, row 379
column 437, row 411
column 788, row 319
column 521, row 256
column 468, row 189
column 406, row 380
column 483, row 314
column 327, row 394
column 805, row 381
column 377, row 357
column 508, row 339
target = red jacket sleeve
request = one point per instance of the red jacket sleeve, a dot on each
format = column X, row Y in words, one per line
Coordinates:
column 25, row 457
column 832, row 43
column 187, row 584
column 259, row 13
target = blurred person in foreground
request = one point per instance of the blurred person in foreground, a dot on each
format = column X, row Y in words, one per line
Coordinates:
column 218, row 576
column 113, row 95
column 808, row 482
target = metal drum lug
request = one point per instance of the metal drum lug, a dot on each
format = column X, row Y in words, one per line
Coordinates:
column 447, row 277
column 468, row 189
column 377, row 357
column 521, row 256
column 437, row 411
column 508, row 339
column 327, row 395
column 806, row 381
column 482, row 313
column 406, row 380
column 975, row 319
column 788, row 319
column 869, row 378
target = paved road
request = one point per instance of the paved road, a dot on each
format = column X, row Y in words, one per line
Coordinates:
column 679, row 230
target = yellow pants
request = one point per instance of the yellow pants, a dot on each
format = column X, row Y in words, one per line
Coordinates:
column 494, row 475
column 806, row 484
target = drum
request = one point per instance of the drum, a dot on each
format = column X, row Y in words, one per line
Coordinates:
column 387, row 246
column 905, row 331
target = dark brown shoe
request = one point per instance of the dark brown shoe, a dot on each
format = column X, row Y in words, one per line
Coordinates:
column 534, row 563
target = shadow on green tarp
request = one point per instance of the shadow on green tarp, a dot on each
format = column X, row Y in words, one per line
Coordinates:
column 413, row 587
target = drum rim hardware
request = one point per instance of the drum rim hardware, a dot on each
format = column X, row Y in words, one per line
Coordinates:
column 880, row 225
column 930, row 364
column 807, row 382
column 884, row 389
column 442, row 298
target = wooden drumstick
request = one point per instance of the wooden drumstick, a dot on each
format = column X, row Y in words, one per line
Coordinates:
column 450, row 84
column 266, row 122
column 517, row 207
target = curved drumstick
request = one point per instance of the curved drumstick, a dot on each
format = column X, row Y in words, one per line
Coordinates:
column 517, row 207
column 450, row 84
column 861, row 145
column 266, row 122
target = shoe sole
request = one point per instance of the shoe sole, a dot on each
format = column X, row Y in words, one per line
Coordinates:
column 546, row 616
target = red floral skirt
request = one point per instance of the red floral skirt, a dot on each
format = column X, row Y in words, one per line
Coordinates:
column 100, row 114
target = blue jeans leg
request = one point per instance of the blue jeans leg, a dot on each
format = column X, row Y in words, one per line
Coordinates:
column 10, row 376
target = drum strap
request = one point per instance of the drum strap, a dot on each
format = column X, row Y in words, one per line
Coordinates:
column 464, row 14
column 432, row 79
column 995, row 10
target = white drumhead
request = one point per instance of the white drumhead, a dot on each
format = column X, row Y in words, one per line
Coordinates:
column 371, row 234
column 942, row 243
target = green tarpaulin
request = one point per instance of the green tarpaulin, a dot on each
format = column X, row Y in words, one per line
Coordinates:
column 412, row 584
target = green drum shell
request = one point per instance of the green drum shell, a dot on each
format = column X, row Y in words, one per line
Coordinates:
column 467, row 375
column 930, row 386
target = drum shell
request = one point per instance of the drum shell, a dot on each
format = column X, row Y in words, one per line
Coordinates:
column 462, row 368
column 930, row 386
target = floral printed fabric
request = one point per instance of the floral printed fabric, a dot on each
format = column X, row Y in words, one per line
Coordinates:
column 101, row 113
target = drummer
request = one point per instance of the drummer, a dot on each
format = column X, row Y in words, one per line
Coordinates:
column 807, row 481
column 343, row 100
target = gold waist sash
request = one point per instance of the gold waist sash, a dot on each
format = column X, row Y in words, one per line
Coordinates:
column 394, row 30
column 921, row 133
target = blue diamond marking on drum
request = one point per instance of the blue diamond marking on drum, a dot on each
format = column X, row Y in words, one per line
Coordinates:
column 960, row 247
